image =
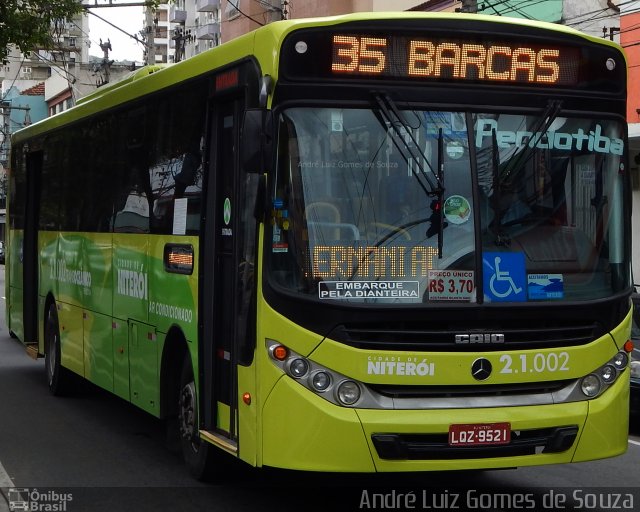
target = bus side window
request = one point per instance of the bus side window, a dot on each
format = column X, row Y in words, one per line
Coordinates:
column 96, row 210
column 131, row 209
column 176, row 160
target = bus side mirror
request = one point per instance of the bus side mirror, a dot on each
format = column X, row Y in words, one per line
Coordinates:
column 256, row 140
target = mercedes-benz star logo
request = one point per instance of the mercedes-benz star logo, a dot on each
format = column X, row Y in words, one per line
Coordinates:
column 481, row 369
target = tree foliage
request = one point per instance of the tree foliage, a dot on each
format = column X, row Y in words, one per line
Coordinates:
column 29, row 24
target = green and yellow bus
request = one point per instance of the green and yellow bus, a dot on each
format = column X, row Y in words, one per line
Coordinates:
column 377, row 242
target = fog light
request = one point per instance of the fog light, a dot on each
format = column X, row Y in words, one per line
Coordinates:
column 620, row 360
column 591, row 385
column 608, row 374
column 321, row 381
column 635, row 369
column 298, row 368
column 348, row 392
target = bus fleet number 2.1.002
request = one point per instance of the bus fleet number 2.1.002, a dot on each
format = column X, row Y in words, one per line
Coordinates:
column 535, row 363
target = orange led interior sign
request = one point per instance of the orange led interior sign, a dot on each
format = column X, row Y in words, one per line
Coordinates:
column 333, row 262
column 452, row 60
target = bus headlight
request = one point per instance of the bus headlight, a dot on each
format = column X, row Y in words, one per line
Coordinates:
column 590, row 385
column 321, row 381
column 608, row 373
column 600, row 379
column 620, row 360
column 329, row 384
column 298, row 368
column 348, row 392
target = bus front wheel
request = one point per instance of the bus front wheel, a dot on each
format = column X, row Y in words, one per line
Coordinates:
column 58, row 377
column 198, row 454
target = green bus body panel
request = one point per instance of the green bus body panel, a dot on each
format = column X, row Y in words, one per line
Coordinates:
column 13, row 282
column 116, row 302
column 452, row 368
column 71, row 337
column 98, row 349
column 120, row 340
column 143, row 364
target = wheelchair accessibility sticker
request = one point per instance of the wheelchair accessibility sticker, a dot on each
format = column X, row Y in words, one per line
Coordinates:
column 505, row 278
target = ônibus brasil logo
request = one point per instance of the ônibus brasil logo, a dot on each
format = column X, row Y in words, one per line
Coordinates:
column 33, row 500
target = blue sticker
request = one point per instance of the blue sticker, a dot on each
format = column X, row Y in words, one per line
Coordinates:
column 505, row 279
column 545, row 286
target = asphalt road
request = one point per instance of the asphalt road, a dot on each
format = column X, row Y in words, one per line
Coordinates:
column 93, row 452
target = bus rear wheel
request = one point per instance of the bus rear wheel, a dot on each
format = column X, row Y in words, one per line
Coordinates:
column 198, row 454
column 58, row 377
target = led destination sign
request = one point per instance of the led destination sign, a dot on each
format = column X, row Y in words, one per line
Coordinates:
column 453, row 60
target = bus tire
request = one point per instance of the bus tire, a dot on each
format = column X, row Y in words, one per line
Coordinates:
column 198, row 454
column 58, row 377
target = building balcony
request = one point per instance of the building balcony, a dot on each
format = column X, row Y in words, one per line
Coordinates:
column 208, row 5
column 208, row 31
column 177, row 15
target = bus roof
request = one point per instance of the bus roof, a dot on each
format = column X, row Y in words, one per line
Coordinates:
column 263, row 44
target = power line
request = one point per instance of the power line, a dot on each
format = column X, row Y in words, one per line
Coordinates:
column 237, row 8
column 135, row 38
column 14, row 78
column 603, row 16
column 597, row 11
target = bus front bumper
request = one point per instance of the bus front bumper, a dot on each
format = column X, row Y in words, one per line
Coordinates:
column 305, row 432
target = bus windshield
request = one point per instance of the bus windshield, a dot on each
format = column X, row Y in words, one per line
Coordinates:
column 524, row 207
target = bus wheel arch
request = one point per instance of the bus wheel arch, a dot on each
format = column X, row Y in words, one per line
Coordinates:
column 198, row 454
column 174, row 351
column 179, row 405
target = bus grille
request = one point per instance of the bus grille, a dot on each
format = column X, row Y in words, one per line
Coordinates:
column 473, row 391
column 436, row 446
column 441, row 337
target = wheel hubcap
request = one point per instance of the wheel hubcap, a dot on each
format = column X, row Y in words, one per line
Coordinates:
column 51, row 352
column 187, row 411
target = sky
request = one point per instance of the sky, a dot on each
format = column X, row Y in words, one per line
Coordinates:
column 129, row 19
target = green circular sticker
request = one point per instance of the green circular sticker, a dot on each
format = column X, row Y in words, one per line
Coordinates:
column 227, row 211
column 457, row 209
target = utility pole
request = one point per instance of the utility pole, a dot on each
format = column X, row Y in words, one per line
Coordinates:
column 106, row 63
column 181, row 36
column 5, row 133
column 151, row 23
column 7, row 107
column 178, row 37
column 149, row 48
column 612, row 31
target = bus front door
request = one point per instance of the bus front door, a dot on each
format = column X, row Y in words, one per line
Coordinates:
column 222, row 246
column 30, row 252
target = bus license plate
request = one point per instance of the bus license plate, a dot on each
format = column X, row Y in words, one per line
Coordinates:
column 479, row 434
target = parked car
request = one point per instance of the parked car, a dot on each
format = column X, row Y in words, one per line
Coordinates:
column 635, row 356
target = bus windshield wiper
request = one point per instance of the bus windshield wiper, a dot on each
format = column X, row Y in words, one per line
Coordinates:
column 539, row 129
column 516, row 164
column 431, row 181
column 496, row 196
column 393, row 118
